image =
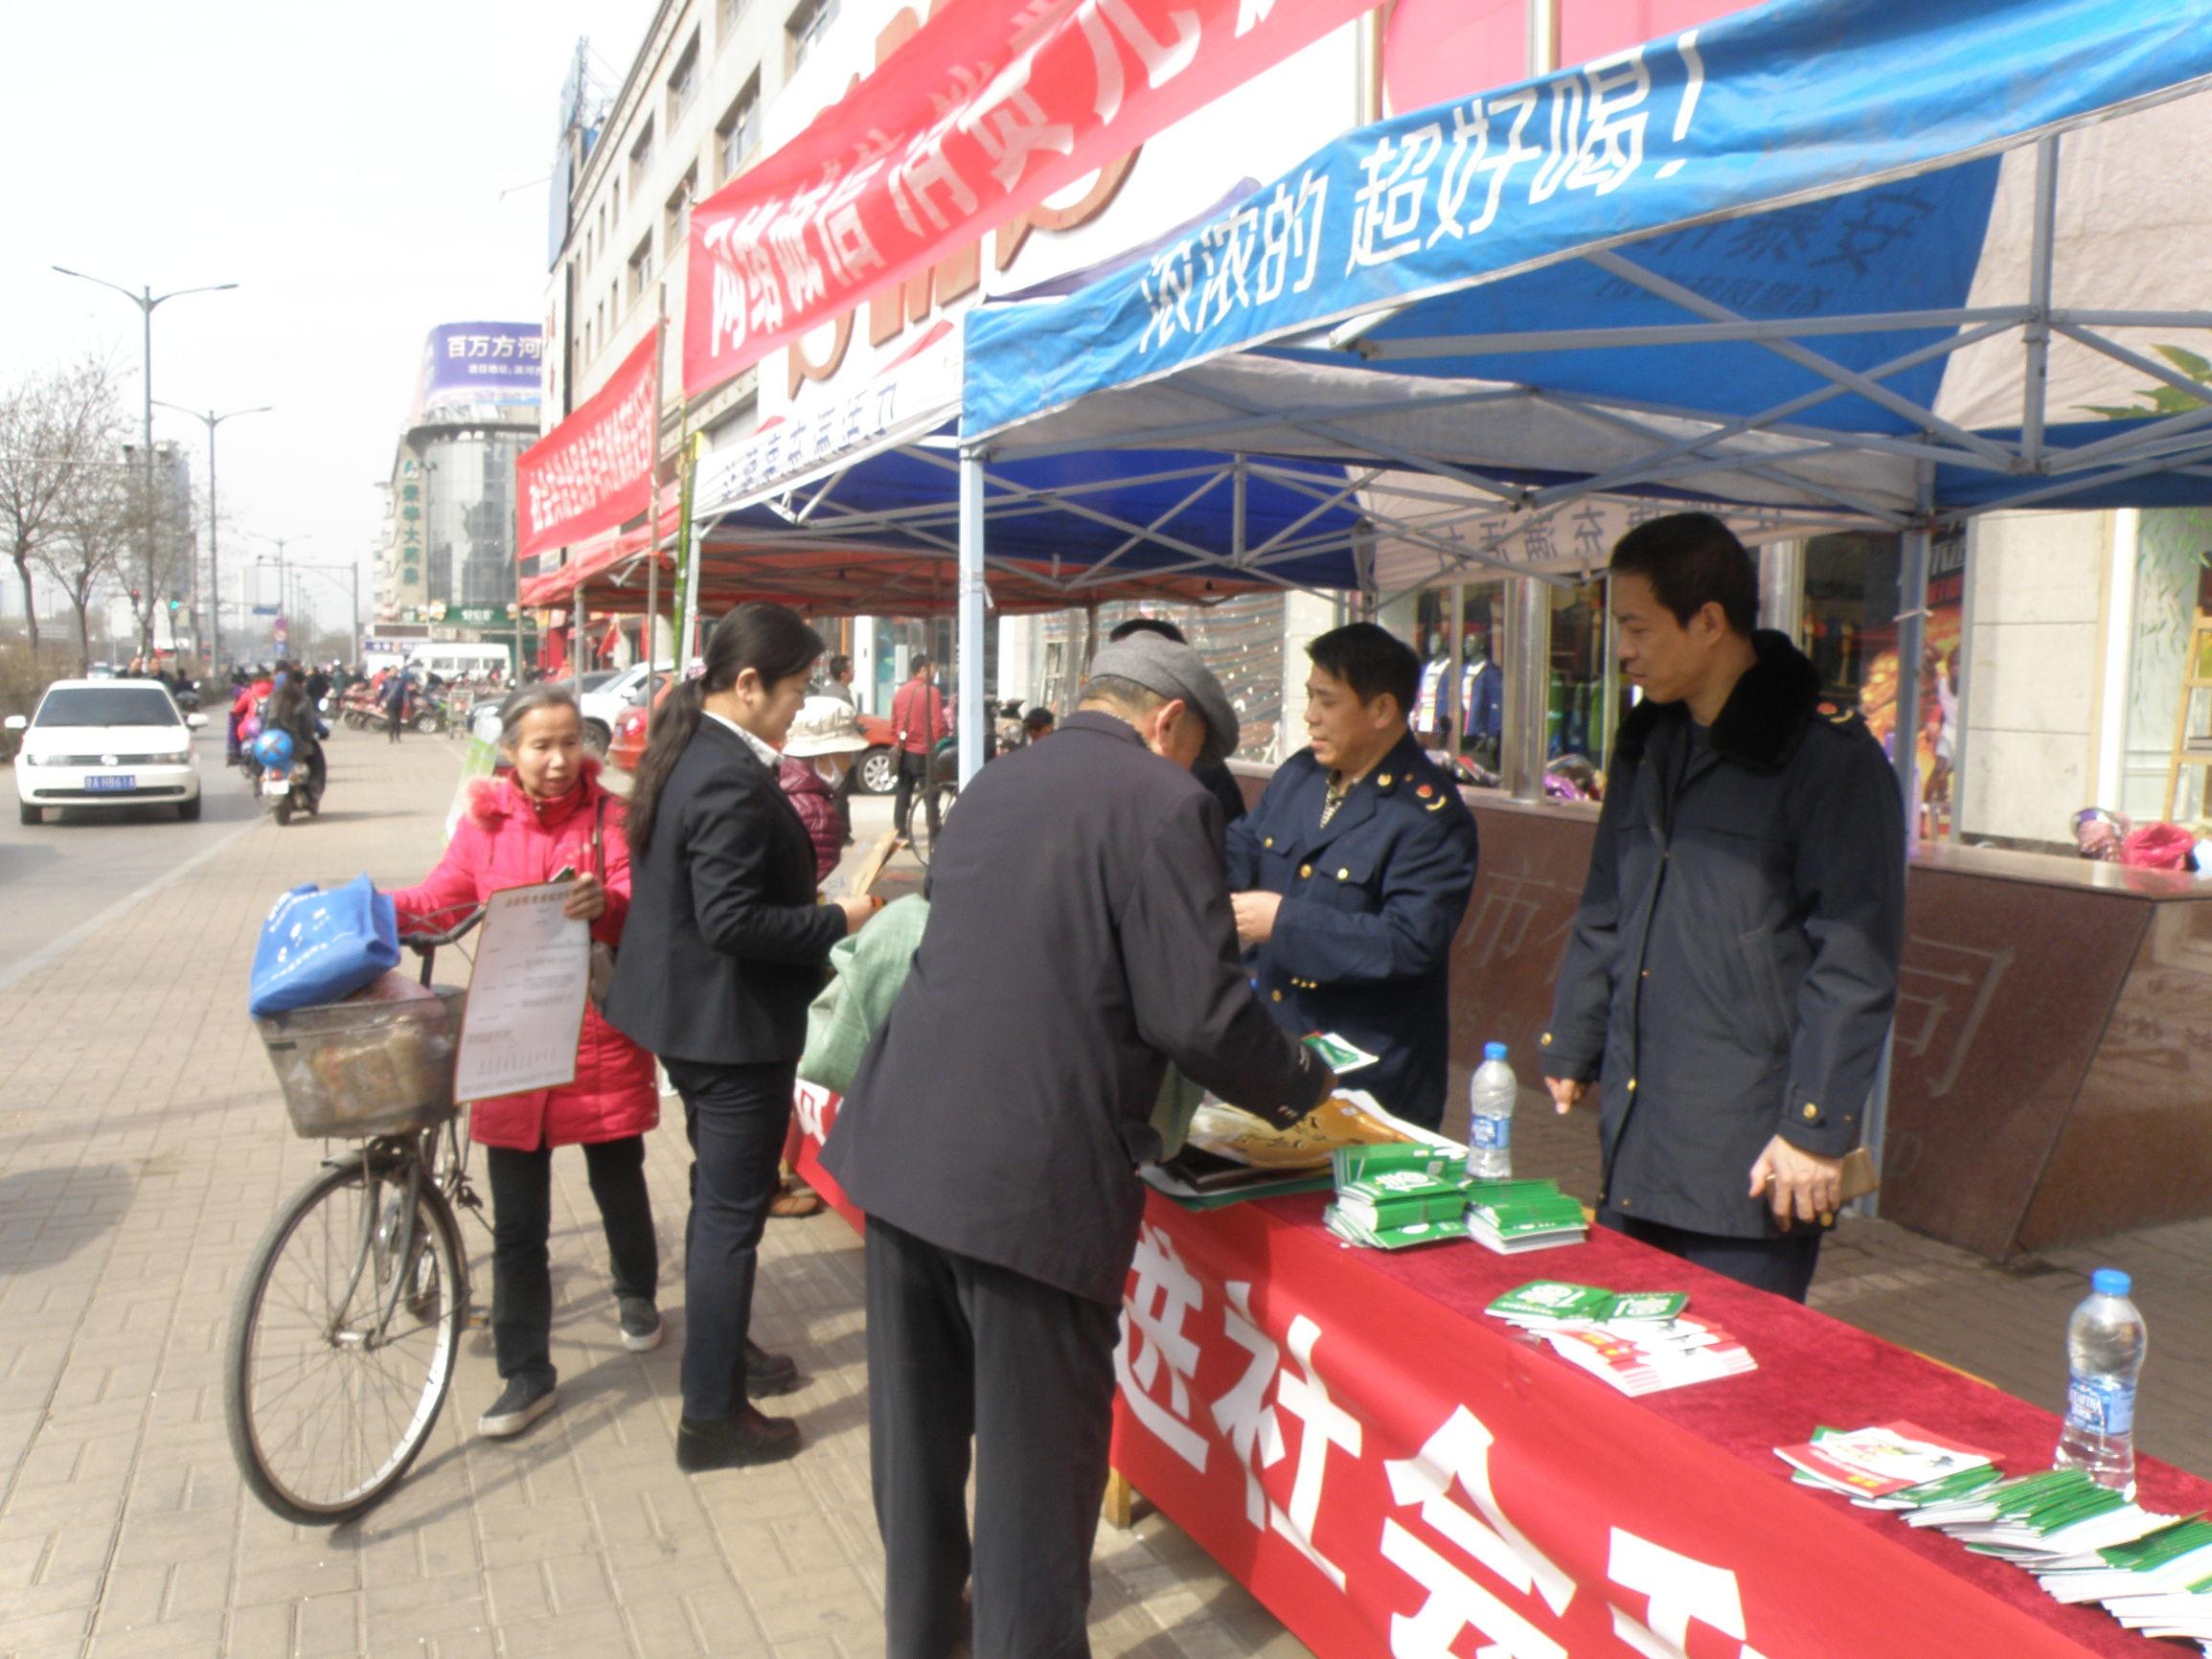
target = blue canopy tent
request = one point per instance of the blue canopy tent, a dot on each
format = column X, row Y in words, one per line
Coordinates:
column 1900, row 264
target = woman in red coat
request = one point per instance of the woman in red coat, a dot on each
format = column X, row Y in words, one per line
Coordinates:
column 553, row 815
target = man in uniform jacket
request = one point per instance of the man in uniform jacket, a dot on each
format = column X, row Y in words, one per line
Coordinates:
column 1079, row 939
column 1733, row 966
column 1353, row 873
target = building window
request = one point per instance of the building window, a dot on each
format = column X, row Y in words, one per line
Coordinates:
column 684, row 80
column 641, row 265
column 810, row 22
column 640, row 159
column 676, row 221
column 732, row 14
column 739, row 132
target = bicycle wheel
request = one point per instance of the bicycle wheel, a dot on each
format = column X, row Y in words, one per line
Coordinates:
column 342, row 1342
column 920, row 837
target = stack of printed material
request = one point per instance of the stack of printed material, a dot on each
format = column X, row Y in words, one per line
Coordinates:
column 2085, row 1543
column 1389, row 1197
column 1641, row 1341
column 1511, row 1217
column 1896, row 1465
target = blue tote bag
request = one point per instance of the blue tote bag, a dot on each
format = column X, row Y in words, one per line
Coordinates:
column 319, row 947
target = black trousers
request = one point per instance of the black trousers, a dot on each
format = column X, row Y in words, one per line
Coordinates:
column 1781, row 1264
column 959, row 1348
column 735, row 1118
column 522, row 1220
column 913, row 774
column 395, row 719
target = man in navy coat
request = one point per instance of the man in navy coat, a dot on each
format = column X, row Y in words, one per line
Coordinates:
column 1353, row 873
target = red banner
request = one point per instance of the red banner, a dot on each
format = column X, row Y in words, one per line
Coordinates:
column 988, row 110
column 1397, row 1476
column 594, row 470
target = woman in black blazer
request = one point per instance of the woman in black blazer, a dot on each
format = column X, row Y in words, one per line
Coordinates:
column 722, row 951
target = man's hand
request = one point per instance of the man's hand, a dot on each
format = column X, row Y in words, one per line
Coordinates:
column 857, row 912
column 1566, row 1094
column 586, row 899
column 1798, row 1185
column 1255, row 916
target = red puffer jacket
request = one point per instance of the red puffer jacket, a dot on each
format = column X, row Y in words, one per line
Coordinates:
column 818, row 809
column 506, row 839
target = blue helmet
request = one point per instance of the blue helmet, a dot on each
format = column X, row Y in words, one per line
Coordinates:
column 274, row 750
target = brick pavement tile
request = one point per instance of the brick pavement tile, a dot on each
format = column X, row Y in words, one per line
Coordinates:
column 44, row 1635
column 325, row 1627
column 425, row 1607
column 258, row 1632
column 200, row 1633
column 587, row 1633
column 78, row 1591
column 815, row 1603
column 337, row 1573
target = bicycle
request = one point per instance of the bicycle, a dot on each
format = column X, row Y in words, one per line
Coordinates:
column 346, row 1327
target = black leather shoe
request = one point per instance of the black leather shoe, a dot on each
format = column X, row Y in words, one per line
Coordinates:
column 770, row 1373
column 744, row 1437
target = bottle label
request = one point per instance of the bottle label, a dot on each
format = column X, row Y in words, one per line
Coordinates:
column 1489, row 1134
column 2103, row 1405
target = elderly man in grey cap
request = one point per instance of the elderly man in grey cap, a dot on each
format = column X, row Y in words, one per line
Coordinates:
column 1079, row 937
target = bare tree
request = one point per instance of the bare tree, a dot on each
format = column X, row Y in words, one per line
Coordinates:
column 94, row 530
column 55, row 428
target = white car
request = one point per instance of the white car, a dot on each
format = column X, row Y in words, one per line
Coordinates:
column 106, row 743
column 601, row 706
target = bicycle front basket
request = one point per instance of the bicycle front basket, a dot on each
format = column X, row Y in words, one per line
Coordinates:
column 368, row 1066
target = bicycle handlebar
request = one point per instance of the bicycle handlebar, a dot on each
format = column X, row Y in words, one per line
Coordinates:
column 431, row 940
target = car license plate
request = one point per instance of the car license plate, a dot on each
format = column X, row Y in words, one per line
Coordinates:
column 118, row 783
column 277, row 786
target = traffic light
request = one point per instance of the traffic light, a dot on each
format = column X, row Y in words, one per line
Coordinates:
column 175, row 605
column 134, row 596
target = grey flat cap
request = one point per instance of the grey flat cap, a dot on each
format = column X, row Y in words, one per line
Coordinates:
column 1174, row 671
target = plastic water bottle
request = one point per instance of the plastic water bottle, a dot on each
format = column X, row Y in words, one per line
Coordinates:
column 2105, row 1344
column 1489, row 1096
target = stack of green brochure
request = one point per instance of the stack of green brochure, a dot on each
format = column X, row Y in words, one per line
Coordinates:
column 1390, row 1196
column 1511, row 1217
column 2084, row 1542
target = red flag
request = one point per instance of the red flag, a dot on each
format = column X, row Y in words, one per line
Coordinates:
column 594, row 470
column 989, row 110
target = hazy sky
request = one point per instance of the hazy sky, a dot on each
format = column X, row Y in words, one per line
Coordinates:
column 342, row 164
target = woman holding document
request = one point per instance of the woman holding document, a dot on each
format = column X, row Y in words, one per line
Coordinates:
column 551, row 817
column 727, row 947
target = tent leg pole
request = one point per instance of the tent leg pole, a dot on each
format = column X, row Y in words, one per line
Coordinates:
column 970, row 718
column 1912, row 641
column 1527, row 689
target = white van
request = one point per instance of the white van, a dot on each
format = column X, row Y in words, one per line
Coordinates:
column 454, row 660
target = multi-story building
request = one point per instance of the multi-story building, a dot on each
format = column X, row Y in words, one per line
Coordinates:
column 446, row 567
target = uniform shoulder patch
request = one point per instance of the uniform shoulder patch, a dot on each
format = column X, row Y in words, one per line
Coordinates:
column 1837, row 714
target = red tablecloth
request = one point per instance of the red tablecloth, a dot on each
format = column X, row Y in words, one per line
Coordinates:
column 1393, row 1472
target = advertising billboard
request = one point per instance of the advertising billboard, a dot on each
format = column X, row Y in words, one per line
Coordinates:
column 471, row 367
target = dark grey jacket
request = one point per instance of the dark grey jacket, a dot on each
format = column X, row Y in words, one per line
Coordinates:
column 1079, row 936
column 1733, row 966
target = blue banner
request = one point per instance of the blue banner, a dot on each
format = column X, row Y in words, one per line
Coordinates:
column 1788, row 101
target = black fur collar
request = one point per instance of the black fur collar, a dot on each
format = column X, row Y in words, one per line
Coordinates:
column 1764, row 719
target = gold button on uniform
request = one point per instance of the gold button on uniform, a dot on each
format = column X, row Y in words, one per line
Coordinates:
column 1276, row 994
column 1305, row 869
column 1344, row 875
column 1631, row 1085
column 1269, row 842
column 1811, row 1111
column 1545, row 1040
column 1383, row 782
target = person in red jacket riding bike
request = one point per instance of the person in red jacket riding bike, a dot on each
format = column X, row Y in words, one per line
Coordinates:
column 551, row 814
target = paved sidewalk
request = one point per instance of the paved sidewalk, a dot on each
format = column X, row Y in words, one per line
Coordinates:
column 143, row 1150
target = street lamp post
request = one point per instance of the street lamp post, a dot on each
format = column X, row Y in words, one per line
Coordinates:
column 353, row 572
column 283, row 601
column 145, row 299
column 214, row 569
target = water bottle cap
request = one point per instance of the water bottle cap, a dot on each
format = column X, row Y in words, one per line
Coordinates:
column 2110, row 1282
column 1494, row 1050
